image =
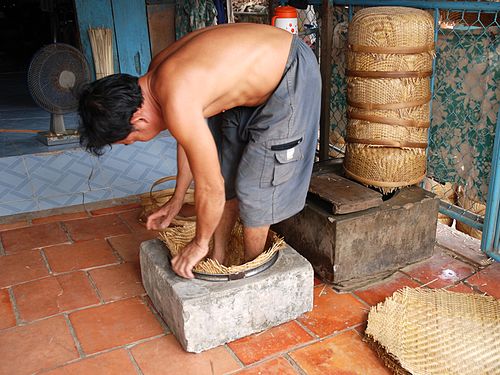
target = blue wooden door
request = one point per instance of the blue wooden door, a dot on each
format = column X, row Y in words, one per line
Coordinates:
column 92, row 14
column 128, row 20
column 132, row 36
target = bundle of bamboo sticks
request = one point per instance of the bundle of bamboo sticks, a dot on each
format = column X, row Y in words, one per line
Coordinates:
column 102, row 51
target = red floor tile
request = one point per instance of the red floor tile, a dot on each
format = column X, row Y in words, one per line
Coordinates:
column 80, row 255
column 14, row 225
column 61, row 217
column 361, row 328
column 7, row 317
column 378, row 292
column 128, row 245
column 460, row 288
column 117, row 282
column 255, row 347
column 165, row 356
column 96, row 227
column 52, row 295
column 115, row 209
column 41, row 345
column 333, row 312
column 21, row 267
column 488, row 280
column 438, row 271
column 114, row 324
column 33, row 237
column 116, row 362
column 277, row 366
column 132, row 219
column 339, row 355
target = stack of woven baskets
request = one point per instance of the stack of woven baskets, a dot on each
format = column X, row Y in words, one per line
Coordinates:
column 389, row 66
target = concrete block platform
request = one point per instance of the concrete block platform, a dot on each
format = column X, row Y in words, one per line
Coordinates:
column 205, row 314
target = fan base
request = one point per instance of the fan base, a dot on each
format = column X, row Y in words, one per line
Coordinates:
column 53, row 139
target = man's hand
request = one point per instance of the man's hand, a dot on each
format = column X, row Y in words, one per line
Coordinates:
column 183, row 263
column 163, row 217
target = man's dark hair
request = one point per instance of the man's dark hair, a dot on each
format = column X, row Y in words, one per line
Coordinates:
column 105, row 108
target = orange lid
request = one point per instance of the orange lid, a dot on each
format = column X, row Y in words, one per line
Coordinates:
column 285, row 12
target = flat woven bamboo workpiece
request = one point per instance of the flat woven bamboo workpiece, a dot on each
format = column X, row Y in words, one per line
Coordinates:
column 419, row 331
column 177, row 237
column 389, row 65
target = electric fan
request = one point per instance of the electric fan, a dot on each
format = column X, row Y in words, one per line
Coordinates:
column 55, row 74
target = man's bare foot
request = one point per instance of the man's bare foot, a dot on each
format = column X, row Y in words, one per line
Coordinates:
column 183, row 263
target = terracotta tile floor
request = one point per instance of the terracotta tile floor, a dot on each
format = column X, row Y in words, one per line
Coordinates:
column 72, row 302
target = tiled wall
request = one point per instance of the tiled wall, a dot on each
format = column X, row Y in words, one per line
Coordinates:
column 65, row 178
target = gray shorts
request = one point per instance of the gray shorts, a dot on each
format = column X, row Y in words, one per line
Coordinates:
column 267, row 152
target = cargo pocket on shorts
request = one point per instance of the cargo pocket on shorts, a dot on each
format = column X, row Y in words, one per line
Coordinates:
column 286, row 154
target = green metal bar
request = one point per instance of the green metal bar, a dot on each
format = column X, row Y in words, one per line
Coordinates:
column 492, row 215
column 457, row 213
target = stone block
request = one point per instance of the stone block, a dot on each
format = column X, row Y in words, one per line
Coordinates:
column 205, row 314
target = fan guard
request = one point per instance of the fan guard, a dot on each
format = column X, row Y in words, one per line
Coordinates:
column 55, row 74
column 55, row 71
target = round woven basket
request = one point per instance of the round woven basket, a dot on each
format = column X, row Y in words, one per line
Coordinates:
column 389, row 65
column 176, row 238
column 153, row 200
column 400, row 167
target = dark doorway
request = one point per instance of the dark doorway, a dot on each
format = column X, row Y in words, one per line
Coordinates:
column 25, row 27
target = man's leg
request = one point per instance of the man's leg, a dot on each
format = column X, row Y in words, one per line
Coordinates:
column 187, row 210
column 255, row 240
column 223, row 230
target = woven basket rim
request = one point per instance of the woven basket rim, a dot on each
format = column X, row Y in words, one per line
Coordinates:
column 395, row 184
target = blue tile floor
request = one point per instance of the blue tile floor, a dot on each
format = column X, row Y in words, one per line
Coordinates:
column 36, row 177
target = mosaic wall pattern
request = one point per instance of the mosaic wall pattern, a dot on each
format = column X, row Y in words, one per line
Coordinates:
column 64, row 178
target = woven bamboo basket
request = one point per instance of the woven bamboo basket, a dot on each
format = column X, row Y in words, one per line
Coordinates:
column 470, row 205
column 389, row 65
column 436, row 332
column 153, row 200
column 445, row 192
column 176, row 238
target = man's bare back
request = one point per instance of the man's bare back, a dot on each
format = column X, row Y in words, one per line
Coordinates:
column 223, row 66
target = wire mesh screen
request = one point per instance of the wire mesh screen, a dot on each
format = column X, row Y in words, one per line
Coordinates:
column 307, row 20
column 464, row 107
column 338, row 96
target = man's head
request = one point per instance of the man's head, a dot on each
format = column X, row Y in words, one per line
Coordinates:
column 106, row 108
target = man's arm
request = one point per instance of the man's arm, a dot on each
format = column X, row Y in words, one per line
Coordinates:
column 164, row 216
column 190, row 129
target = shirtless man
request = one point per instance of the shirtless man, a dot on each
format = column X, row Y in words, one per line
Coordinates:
column 258, row 89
